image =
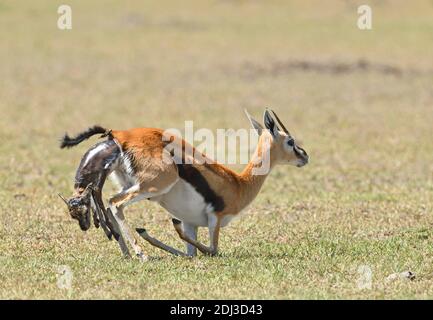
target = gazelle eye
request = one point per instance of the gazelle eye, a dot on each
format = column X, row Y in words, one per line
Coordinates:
column 291, row 142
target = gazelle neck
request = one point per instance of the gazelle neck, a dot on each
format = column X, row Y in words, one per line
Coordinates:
column 256, row 171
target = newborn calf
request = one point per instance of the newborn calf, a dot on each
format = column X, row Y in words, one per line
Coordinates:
column 94, row 168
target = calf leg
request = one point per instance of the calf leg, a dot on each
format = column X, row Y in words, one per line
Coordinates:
column 102, row 217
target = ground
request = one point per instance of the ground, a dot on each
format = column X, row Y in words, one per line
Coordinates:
column 359, row 101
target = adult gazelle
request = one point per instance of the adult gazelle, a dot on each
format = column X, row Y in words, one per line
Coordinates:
column 195, row 190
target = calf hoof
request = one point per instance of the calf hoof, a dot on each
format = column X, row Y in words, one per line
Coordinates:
column 126, row 256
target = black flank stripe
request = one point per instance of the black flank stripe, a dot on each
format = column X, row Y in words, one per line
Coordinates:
column 193, row 176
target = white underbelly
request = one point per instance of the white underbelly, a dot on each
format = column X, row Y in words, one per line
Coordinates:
column 185, row 204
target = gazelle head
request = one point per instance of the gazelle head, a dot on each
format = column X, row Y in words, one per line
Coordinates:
column 283, row 147
column 79, row 207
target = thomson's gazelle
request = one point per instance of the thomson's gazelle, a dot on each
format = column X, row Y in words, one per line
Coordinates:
column 196, row 194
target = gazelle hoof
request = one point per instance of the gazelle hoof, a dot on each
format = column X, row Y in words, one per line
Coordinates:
column 140, row 230
column 142, row 257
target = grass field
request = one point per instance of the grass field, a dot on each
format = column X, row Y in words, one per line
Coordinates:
column 360, row 101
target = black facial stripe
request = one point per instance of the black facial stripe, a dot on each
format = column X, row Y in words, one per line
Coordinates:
column 300, row 153
column 192, row 175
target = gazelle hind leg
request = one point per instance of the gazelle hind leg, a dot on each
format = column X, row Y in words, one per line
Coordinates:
column 118, row 234
column 126, row 232
column 148, row 186
column 131, row 195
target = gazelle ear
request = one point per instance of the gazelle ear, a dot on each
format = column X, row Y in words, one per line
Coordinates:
column 254, row 123
column 270, row 123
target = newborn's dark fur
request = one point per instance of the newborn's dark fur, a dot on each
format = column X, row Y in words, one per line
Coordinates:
column 89, row 181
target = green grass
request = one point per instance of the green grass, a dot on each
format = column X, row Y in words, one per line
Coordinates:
column 364, row 200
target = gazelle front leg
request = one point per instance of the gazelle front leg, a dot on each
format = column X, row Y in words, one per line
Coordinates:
column 214, row 225
column 155, row 242
column 191, row 232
